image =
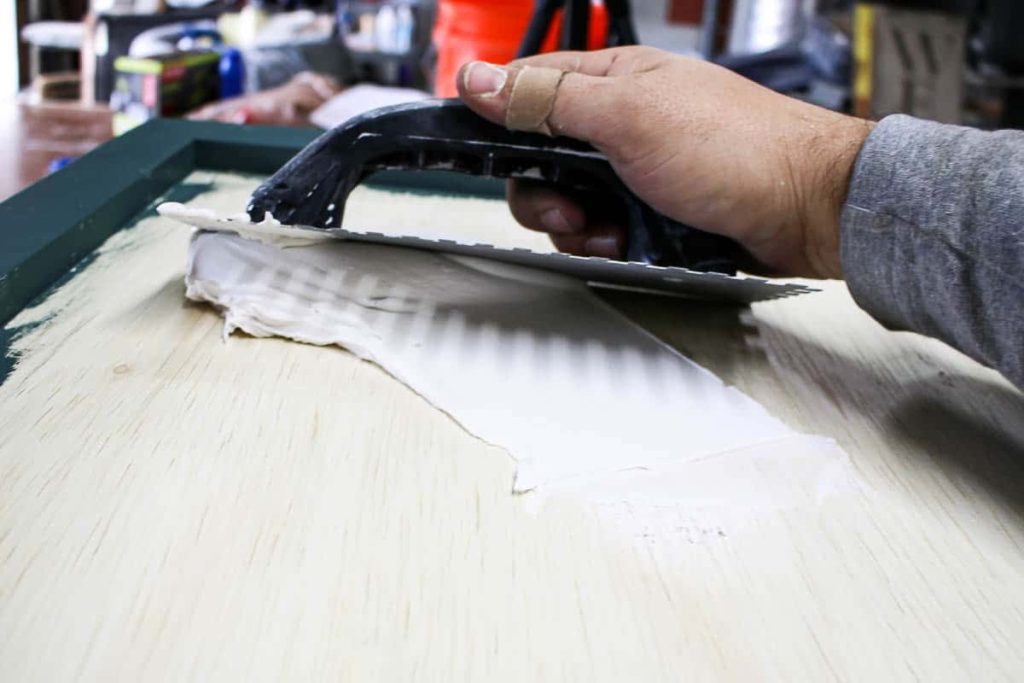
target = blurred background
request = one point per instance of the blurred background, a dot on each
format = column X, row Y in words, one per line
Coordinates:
column 78, row 72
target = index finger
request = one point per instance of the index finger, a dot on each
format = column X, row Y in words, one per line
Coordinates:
column 608, row 62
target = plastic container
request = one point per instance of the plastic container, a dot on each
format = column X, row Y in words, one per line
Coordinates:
column 232, row 73
column 406, row 27
column 491, row 31
column 386, row 30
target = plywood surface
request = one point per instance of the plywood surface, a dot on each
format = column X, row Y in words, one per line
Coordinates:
column 173, row 507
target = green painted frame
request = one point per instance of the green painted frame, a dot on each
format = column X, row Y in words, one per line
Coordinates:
column 51, row 226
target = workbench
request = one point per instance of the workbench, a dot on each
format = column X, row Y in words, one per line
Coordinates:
column 174, row 506
column 34, row 134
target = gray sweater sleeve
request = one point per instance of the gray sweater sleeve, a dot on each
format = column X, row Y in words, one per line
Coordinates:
column 933, row 236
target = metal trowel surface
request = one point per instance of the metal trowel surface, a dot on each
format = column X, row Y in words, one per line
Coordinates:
column 306, row 199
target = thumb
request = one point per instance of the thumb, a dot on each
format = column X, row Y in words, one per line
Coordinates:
column 540, row 99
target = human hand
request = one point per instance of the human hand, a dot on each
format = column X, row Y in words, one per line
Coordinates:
column 698, row 143
column 286, row 105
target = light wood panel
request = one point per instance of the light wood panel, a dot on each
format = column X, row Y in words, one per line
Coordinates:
column 174, row 507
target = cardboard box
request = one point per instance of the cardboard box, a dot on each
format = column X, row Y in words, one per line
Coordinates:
column 171, row 85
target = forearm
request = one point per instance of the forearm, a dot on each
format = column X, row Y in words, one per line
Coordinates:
column 932, row 236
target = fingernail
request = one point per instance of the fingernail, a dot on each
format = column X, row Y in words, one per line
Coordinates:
column 483, row 79
column 603, row 245
column 553, row 220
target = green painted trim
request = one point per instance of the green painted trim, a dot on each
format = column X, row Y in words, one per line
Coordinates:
column 48, row 228
column 52, row 225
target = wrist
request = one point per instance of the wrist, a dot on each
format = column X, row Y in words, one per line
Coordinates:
column 832, row 168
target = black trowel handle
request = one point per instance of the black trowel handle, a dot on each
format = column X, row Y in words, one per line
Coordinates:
column 311, row 189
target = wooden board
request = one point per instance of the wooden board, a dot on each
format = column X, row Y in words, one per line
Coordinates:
column 175, row 507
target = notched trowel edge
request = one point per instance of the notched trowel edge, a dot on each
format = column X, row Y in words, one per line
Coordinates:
column 593, row 269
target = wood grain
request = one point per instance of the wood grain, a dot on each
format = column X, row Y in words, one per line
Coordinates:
column 174, row 507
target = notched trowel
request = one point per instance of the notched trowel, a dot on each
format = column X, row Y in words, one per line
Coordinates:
column 310, row 191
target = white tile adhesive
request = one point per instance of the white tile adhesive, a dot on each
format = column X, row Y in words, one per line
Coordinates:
column 532, row 362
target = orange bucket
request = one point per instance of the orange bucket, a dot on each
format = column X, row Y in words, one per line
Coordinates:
column 491, row 31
